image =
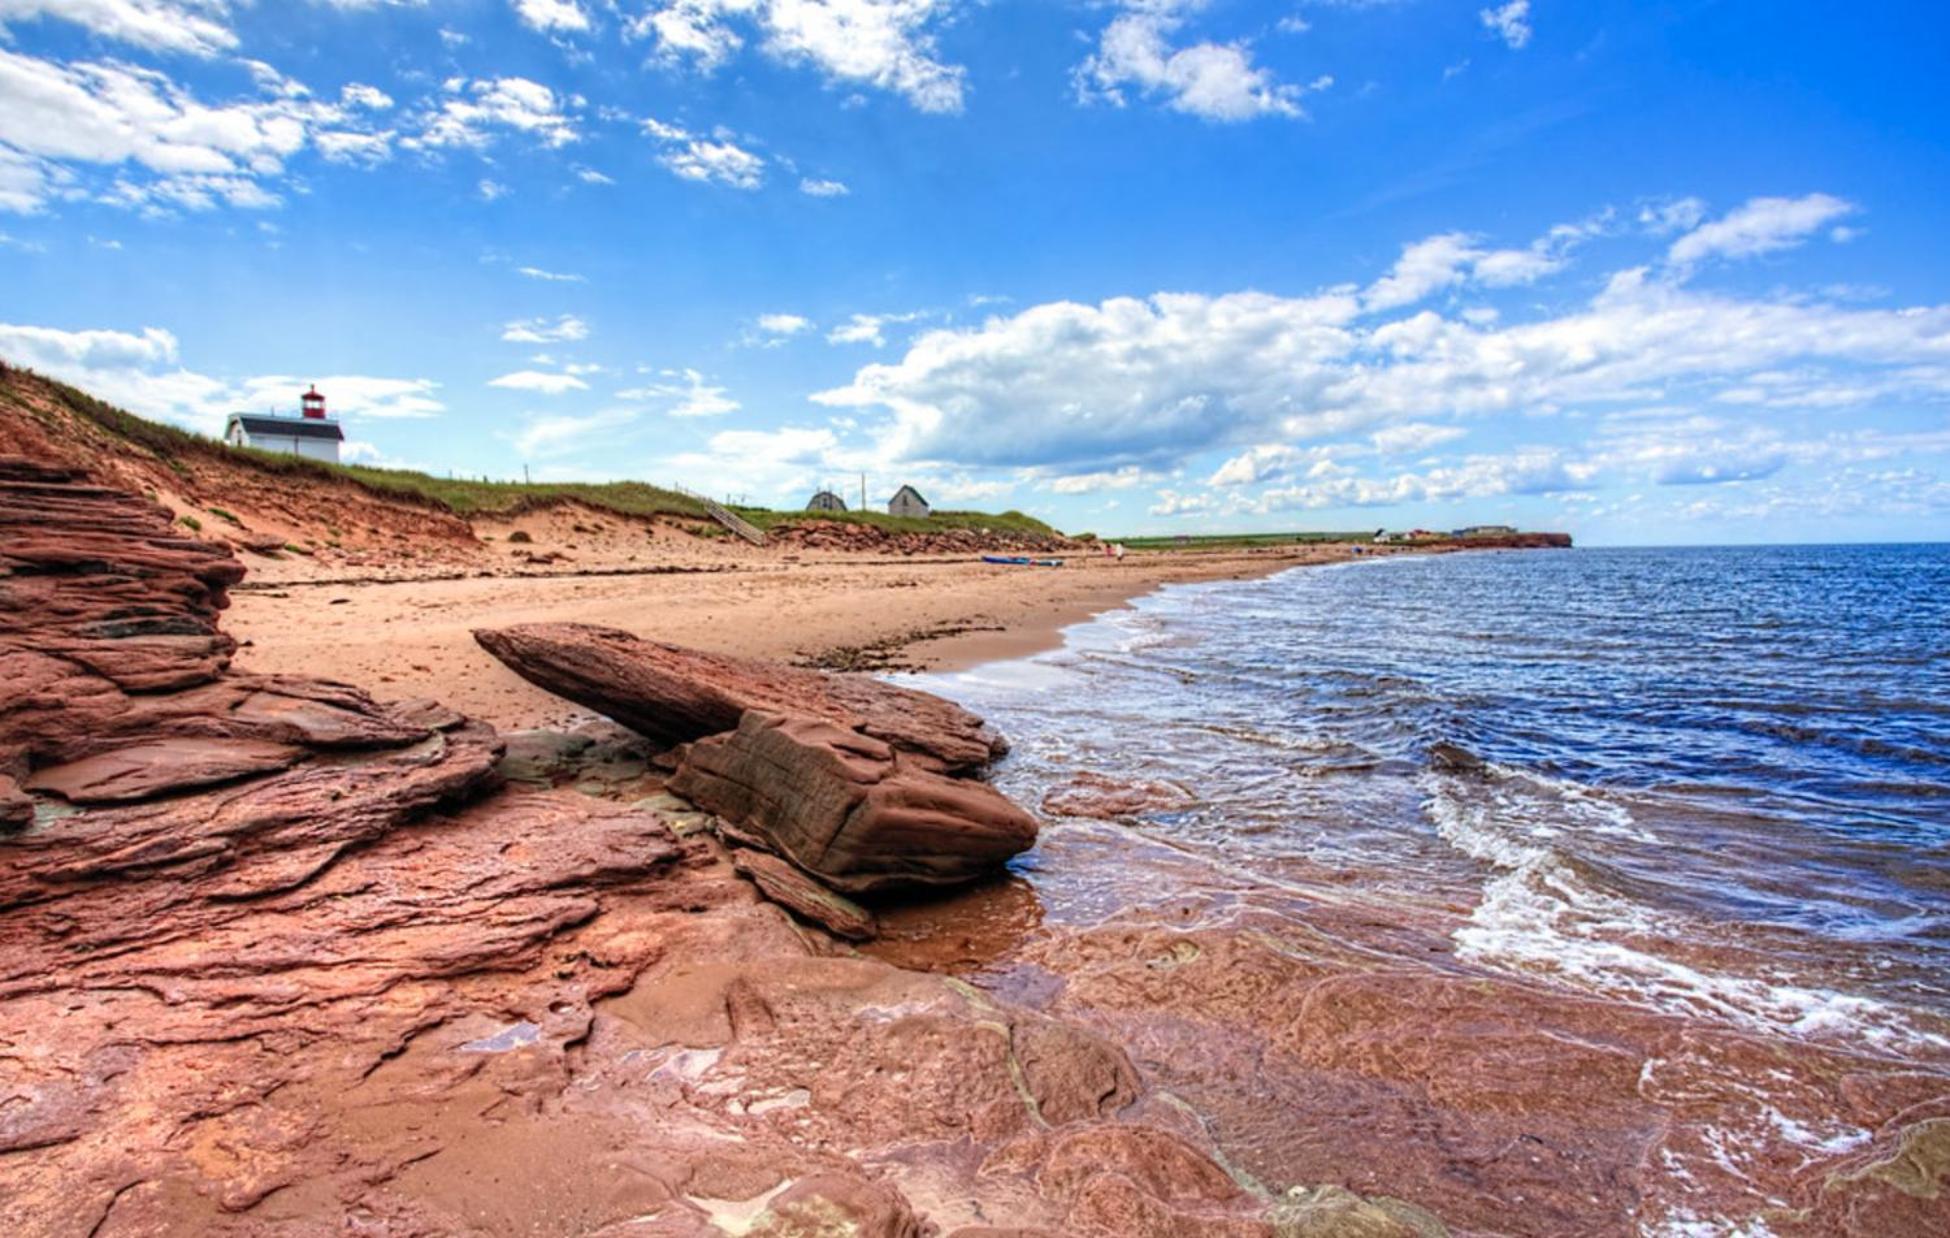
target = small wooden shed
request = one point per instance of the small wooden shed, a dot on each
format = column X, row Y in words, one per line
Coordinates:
column 907, row 501
column 826, row 501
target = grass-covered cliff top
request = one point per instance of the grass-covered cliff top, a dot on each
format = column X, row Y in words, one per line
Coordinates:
column 181, row 449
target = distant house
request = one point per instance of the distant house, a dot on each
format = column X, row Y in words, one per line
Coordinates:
column 907, row 501
column 311, row 434
column 826, row 501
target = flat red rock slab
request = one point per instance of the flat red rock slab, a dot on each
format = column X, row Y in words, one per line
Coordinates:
column 160, row 767
column 675, row 695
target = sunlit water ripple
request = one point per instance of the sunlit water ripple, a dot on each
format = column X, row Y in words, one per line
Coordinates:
column 1718, row 779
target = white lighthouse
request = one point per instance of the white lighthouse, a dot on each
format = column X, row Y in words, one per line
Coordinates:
column 311, row 434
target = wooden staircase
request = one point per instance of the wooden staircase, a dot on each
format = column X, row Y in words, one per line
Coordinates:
column 725, row 516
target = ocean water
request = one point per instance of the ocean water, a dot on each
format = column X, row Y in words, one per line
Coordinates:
column 1713, row 782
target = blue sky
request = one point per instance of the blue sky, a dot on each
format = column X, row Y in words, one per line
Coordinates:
column 1648, row 272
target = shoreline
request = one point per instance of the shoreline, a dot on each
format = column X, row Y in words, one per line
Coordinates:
column 863, row 614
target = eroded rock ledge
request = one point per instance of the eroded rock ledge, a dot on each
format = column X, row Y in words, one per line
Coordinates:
column 278, row 958
column 862, row 786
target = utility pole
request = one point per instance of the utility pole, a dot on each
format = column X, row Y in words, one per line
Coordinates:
column 524, row 475
column 863, row 491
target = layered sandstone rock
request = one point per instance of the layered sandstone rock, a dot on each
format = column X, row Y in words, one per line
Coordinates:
column 791, row 888
column 675, row 695
column 850, row 809
column 277, row 958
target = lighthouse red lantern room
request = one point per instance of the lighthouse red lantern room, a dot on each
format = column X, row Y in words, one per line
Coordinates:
column 314, row 404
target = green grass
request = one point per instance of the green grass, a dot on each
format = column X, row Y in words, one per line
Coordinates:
column 1220, row 540
column 478, row 497
column 474, row 497
column 1011, row 522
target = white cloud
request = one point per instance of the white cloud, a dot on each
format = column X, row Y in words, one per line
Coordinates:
column 1213, row 81
column 551, row 277
column 708, row 160
column 819, row 188
column 867, row 328
column 1151, row 382
column 887, row 44
column 786, row 463
column 1413, row 436
column 784, row 324
column 193, row 27
column 370, row 98
column 1175, row 503
column 1509, row 22
column 1522, row 472
column 1092, row 483
column 1453, row 259
column 539, row 381
column 166, row 146
column 686, row 394
column 552, row 16
column 345, row 146
column 492, row 190
column 1761, row 226
column 551, row 436
column 140, row 371
column 564, row 329
column 590, row 176
column 473, row 112
column 1673, row 215
column 60, row 352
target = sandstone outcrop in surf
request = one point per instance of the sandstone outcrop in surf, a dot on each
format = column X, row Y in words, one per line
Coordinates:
column 675, row 695
column 862, row 784
column 848, row 808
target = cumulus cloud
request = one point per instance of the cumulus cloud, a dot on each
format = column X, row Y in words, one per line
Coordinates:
column 565, row 329
column 1760, row 226
column 708, row 160
column 539, row 381
column 1509, row 22
column 1108, row 479
column 1151, row 382
column 192, row 27
column 685, row 393
column 559, row 435
column 816, row 187
column 791, row 460
column 1528, row 471
column 1413, row 436
column 1213, row 81
column 886, row 44
column 784, row 324
column 473, row 112
column 1453, row 259
column 868, row 328
column 166, row 147
column 141, row 371
column 552, row 16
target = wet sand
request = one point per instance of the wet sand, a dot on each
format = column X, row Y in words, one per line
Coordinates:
column 412, row 637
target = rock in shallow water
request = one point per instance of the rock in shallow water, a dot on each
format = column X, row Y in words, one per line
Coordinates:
column 849, row 809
